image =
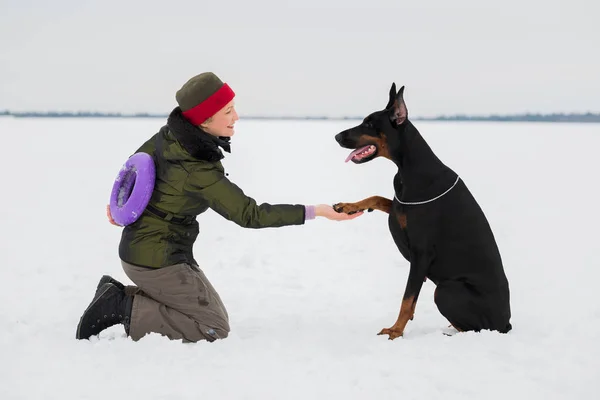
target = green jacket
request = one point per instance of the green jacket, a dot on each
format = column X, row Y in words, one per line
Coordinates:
column 190, row 179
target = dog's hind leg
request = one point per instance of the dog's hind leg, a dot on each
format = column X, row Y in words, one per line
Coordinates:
column 369, row 204
column 460, row 307
column 467, row 310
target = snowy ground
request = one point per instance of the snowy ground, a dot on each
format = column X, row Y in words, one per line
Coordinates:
column 305, row 302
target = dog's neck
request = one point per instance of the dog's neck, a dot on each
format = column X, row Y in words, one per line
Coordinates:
column 419, row 169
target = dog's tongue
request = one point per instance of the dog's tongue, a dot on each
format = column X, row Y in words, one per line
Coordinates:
column 355, row 152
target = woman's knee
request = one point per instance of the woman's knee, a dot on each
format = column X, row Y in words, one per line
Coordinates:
column 218, row 332
column 223, row 328
column 216, row 326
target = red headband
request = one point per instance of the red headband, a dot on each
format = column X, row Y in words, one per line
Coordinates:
column 210, row 106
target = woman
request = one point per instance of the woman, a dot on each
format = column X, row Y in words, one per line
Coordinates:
column 172, row 295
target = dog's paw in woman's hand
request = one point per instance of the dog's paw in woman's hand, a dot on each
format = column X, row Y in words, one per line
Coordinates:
column 327, row 211
column 349, row 208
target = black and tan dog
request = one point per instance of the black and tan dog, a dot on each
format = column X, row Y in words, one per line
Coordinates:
column 436, row 223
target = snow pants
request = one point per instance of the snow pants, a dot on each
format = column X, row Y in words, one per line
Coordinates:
column 177, row 301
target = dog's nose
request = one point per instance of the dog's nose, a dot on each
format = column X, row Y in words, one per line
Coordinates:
column 338, row 138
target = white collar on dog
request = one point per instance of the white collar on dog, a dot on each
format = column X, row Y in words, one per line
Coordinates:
column 412, row 203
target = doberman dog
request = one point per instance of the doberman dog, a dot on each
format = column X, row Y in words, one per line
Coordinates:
column 436, row 223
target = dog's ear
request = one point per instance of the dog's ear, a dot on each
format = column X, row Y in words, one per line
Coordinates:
column 392, row 96
column 399, row 110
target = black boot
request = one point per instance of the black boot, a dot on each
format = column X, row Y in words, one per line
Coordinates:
column 110, row 306
column 109, row 279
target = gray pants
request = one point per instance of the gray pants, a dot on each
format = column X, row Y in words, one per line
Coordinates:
column 177, row 301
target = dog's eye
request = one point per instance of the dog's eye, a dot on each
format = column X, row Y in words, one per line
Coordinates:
column 368, row 124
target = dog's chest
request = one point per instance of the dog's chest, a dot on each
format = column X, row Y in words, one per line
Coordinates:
column 402, row 220
column 398, row 217
column 398, row 224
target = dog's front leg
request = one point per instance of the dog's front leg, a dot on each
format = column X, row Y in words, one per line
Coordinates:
column 418, row 271
column 369, row 204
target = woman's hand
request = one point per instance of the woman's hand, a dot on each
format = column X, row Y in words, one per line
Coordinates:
column 327, row 211
column 110, row 218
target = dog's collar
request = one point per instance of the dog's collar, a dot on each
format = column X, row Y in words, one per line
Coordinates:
column 413, row 203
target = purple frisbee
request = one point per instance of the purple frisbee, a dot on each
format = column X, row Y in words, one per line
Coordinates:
column 132, row 189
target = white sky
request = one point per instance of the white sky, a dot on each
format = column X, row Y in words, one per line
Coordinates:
column 306, row 57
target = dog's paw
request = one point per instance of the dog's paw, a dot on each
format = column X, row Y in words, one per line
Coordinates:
column 392, row 333
column 347, row 208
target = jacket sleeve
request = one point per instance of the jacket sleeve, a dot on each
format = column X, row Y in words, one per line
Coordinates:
column 210, row 184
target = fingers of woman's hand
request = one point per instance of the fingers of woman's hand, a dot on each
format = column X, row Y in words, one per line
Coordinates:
column 327, row 211
column 336, row 216
column 355, row 215
column 109, row 216
column 346, row 217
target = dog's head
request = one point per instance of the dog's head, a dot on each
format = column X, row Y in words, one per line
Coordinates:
column 378, row 133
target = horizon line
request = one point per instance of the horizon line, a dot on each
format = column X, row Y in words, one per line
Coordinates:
column 524, row 116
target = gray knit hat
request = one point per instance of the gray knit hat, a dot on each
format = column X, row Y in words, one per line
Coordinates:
column 202, row 96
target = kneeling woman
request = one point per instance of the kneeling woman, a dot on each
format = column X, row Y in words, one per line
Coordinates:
column 172, row 296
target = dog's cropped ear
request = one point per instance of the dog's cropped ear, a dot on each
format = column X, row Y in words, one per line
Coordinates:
column 392, row 96
column 399, row 111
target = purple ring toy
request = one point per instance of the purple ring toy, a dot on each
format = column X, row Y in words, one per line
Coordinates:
column 132, row 189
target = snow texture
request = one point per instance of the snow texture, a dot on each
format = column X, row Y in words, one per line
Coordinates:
column 305, row 302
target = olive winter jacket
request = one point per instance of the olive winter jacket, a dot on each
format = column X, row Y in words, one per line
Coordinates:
column 190, row 179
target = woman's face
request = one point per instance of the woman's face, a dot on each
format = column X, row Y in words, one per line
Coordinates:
column 221, row 124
